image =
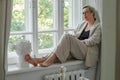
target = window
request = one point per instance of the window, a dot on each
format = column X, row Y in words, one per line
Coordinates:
column 42, row 22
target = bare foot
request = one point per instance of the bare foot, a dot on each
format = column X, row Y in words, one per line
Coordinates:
column 30, row 60
column 27, row 57
column 49, row 61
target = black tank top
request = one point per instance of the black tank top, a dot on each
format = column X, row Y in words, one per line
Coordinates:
column 84, row 35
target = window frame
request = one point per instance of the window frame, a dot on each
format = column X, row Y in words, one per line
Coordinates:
column 59, row 24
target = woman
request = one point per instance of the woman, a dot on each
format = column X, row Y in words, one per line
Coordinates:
column 83, row 45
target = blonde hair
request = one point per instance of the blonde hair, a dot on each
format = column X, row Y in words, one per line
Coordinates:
column 91, row 9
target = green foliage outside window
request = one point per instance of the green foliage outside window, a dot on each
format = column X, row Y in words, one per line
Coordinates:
column 45, row 40
column 45, row 14
column 66, row 17
column 17, row 21
column 45, row 21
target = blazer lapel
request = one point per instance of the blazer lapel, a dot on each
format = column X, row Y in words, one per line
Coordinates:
column 92, row 29
column 82, row 28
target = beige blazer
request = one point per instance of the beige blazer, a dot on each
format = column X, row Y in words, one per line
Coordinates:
column 92, row 42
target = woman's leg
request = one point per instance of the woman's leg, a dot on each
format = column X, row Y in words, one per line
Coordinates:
column 62, row 50
column 68, row 44
column 49, row 61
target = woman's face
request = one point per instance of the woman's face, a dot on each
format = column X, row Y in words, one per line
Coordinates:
column 87, row 14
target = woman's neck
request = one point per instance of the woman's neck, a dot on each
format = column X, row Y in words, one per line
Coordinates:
column 91, row 21
column 89, row 24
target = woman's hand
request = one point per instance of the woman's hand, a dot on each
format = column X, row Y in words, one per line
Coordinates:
column 83, row 41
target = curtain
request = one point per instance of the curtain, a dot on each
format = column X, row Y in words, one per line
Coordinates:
column 98, row 5
column 5, row 17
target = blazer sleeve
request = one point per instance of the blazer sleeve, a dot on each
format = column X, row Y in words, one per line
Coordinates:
column 95, row 38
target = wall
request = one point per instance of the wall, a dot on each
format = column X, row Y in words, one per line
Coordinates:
column 109, row 38
column 118, row 43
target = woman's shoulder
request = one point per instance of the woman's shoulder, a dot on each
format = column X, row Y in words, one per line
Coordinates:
column 97, row 23
column 97, row 26
column 81, row 23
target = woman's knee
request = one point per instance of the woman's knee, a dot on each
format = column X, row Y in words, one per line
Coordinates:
column 66, row 35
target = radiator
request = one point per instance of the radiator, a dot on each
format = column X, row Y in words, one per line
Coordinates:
column 72, row 75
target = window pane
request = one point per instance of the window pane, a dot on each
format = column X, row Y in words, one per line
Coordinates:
column 46, row 40
column 18, row 18
column 67, row 14
column 45, row 14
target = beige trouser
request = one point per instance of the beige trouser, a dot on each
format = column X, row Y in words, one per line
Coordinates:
column 69, row 45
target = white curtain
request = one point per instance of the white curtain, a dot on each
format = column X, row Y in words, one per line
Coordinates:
column 98, row 4
column 99, row 8
column 5, row 17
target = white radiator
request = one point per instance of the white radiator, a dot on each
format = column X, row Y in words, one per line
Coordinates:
column 73, row 75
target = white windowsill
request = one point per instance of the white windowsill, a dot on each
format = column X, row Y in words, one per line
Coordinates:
column 15, row 70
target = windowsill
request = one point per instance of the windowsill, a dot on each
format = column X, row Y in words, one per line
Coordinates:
column 13, row 57
column 15, row 70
